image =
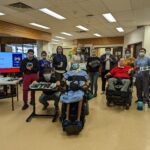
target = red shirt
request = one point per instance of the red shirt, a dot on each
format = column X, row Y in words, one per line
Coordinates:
column 120, row 72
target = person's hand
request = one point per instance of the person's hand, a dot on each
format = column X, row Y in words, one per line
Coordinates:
column 42, row 65
column 29, row 67
column 90, row 63
column 110, row 59
column 107, row 75
column 106, row 60
column 85, row 87
column 34, row 82
column 58, row 83
column 130, row 70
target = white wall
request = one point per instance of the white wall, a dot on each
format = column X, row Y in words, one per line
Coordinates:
column 134, row 37
column 146, row 43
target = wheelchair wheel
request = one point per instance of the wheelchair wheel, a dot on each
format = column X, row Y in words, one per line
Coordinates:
column 108, row 104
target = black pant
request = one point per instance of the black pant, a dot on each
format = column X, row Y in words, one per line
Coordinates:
column 59, row 76
column 104, row 79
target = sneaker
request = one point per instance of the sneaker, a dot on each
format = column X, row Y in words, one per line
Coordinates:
column 66, row 123
column 78, row 123
column 45, row 107
column 25, row 106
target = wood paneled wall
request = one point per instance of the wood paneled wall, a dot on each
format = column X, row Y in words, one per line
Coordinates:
column 102, row 41
column 20, row 31
column 14, row 40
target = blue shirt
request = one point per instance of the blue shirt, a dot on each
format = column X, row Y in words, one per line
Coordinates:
column 74, row 96
column 43, row 63
column 142, row 62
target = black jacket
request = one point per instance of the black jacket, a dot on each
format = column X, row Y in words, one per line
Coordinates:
column 26, row 62
column 103, row 62
column 89, row 67
column 58, row 58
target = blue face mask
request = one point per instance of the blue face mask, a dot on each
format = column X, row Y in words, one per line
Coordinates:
column 108, row 52
column 75, row 66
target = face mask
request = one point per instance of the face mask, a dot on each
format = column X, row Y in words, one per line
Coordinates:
column 93, row 55
column 107, row 52
column 128, row 55
column 141, row 54
column 60, row 51
column 47, row 76
column 30, row 56
column 75, row 66
column 43, row 57
column 78, row 51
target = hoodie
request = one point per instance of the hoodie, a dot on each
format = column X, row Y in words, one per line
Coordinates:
column 58, row 60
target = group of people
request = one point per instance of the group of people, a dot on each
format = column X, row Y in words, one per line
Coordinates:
column 106, row 66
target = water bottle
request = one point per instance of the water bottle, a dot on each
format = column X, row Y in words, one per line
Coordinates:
column 146, row 107
column 140, row 105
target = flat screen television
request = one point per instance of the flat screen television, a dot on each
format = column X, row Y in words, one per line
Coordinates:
column 10, row 62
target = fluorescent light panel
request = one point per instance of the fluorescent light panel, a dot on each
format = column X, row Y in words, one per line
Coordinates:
column 52, row 13
column 98, row 35
column 109, row 17
column 38, row 25
column 120, row 29
column 55, row 40
column 82, row 28
column 59, row 37
column 2, row 14
column 65, row 33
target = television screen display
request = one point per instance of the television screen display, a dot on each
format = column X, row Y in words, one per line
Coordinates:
column 10, row 62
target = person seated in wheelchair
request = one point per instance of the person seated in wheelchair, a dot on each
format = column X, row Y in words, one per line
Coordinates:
column 121, row 73
column 47, row 95
column 77, row 81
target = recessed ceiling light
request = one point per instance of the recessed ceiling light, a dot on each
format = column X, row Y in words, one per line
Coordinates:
column 65, row 33
column 120, row 29
column 52, row 13
column 55, row 40
column 2, row 14
column 98, row 35
column 59, row 37
column 82, row 28
column 109, row 17
column 38, row 25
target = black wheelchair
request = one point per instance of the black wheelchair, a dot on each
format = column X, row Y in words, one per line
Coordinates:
column 118, row 97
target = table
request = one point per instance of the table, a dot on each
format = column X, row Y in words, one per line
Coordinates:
column 35, row 115
column 9, row 81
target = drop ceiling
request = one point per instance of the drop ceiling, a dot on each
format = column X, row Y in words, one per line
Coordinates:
column 128, row 13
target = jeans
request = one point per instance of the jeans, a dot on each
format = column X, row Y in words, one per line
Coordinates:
column 45, row 97
column 93, row 78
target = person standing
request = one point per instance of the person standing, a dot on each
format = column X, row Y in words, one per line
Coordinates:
column 129, row 60
column 77, row 57
column 93, row 66
column 43, row 63
column 108, row 61
column 59, row 63
column 142, row 77
column 29, row 69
